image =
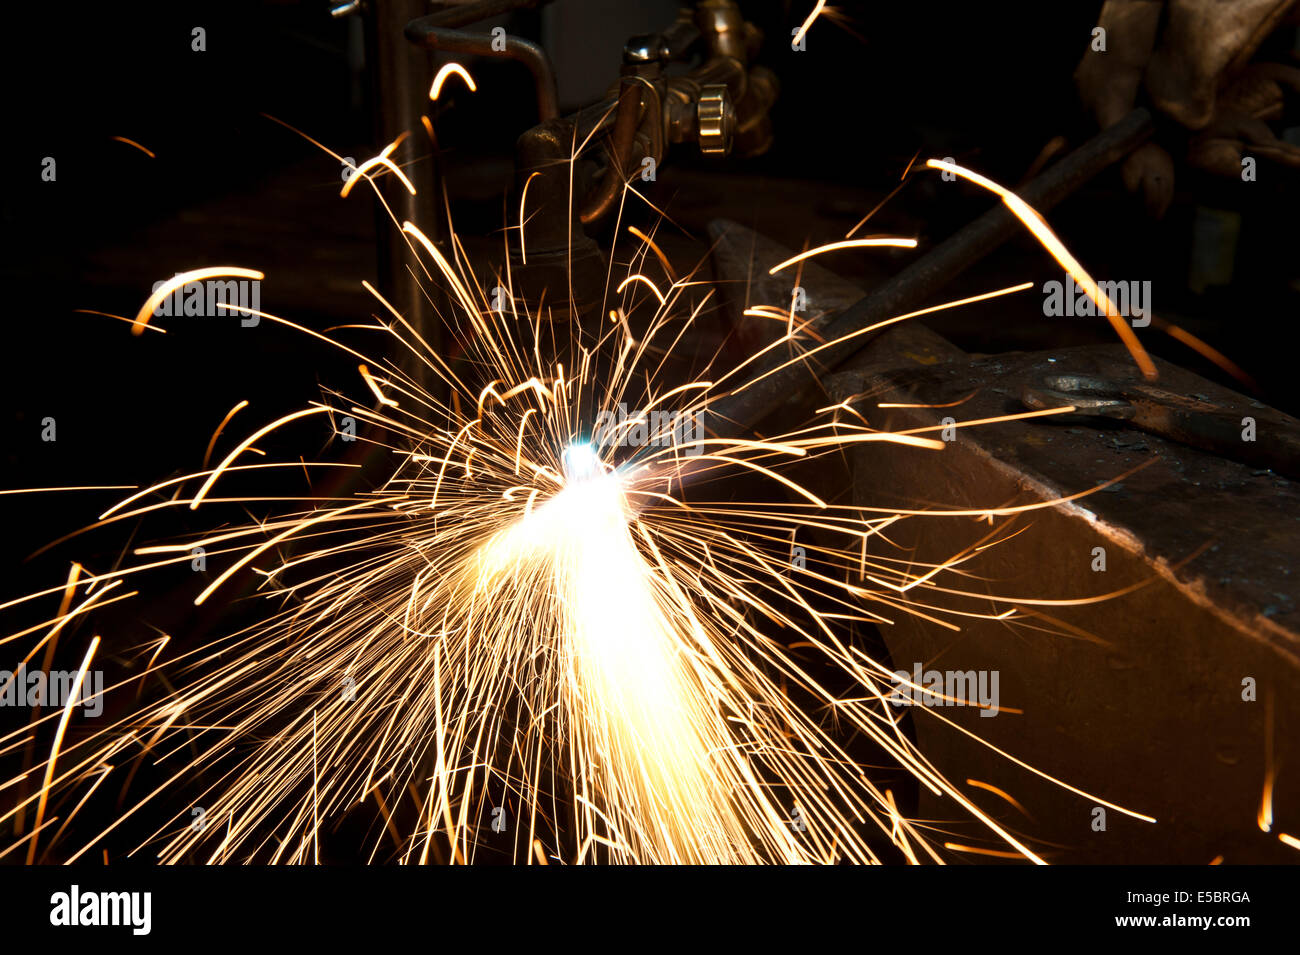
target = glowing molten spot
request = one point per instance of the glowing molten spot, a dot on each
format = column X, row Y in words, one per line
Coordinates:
column 580, row 462
column 661, row 772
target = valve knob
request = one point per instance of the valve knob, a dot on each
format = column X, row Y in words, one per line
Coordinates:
column 716, row 118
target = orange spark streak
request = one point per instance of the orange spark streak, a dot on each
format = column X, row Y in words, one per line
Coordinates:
column 120, row 318
column 803, row 30
column 181, row 280
column 641, row 278
column 244, row 445
column 659, row 253
column 448, row 70
column 74, row 696
column 897, row 243
column 1037, row 225
column 207, row 454
column 132, row 142
column 87, row 487
column 1264, row 818
column 374, row 387
column 995, row 853
column 363, row 171
column 523, row 197
column 998, row 792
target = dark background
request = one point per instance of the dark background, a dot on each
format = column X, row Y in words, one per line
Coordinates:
column 989, row 84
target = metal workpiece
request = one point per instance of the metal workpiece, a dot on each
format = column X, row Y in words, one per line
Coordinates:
column 1147, row 602
column 1225, row 423
column 1181, row 499
column 1141, row 696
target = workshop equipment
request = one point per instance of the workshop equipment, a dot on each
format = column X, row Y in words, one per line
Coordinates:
column 1229, row 427
column 1158, row 698
column 721, row 104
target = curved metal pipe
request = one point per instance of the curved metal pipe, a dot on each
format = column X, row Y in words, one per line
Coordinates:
column 464, row 14
column 626, row 121
column 426, row 33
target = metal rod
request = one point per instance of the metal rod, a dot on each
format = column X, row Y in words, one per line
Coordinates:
column 909, row 289
column 460, row 15
column 426, row 33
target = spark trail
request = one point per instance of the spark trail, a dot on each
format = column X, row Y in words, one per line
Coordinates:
column 515, row 617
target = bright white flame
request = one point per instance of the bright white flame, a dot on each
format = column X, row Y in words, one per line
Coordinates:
column 580, row 462
column 636, row 686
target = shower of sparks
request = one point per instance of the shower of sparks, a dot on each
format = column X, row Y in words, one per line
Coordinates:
column 527, row 621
